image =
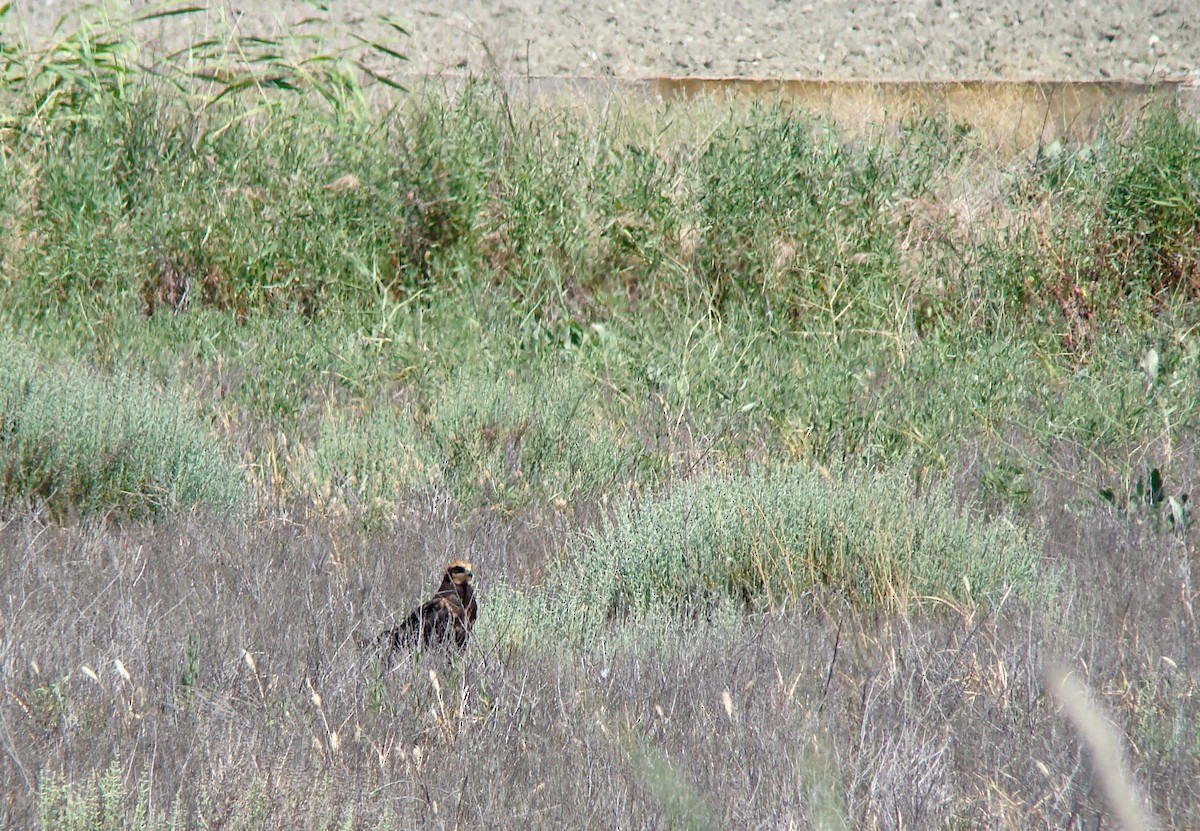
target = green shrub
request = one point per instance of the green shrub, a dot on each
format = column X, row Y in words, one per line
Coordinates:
column 96, row 805
column 764, row 539
column 1110, row 233
column 80, row 441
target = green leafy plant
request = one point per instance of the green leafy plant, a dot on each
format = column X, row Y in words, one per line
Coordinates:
column 95, row 59
column 1148, row 497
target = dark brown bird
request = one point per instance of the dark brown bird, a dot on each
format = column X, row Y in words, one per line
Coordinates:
column 443, row 620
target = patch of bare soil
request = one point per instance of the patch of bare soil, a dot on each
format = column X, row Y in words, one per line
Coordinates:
column 1136, row 40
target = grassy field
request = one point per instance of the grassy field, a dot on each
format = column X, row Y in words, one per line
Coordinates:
column 793, row 465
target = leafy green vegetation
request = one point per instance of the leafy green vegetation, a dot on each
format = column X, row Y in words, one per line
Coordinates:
column 524, row 305
column 767, row 285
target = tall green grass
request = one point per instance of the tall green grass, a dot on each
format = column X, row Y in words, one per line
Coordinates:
column 546, row 431
column 569, row 302
column 1152, row 203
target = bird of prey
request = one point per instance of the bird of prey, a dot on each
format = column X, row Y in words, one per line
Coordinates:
column 443, row 620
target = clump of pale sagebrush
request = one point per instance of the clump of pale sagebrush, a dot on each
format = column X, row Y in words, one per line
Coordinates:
column 79, row 440
column 767, row 537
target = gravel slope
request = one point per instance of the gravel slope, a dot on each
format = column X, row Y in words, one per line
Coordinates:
column 1134, row 40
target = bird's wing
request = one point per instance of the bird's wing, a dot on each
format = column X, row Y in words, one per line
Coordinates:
column 436, row 619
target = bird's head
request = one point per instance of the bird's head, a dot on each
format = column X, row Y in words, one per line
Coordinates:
column 459, row 572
